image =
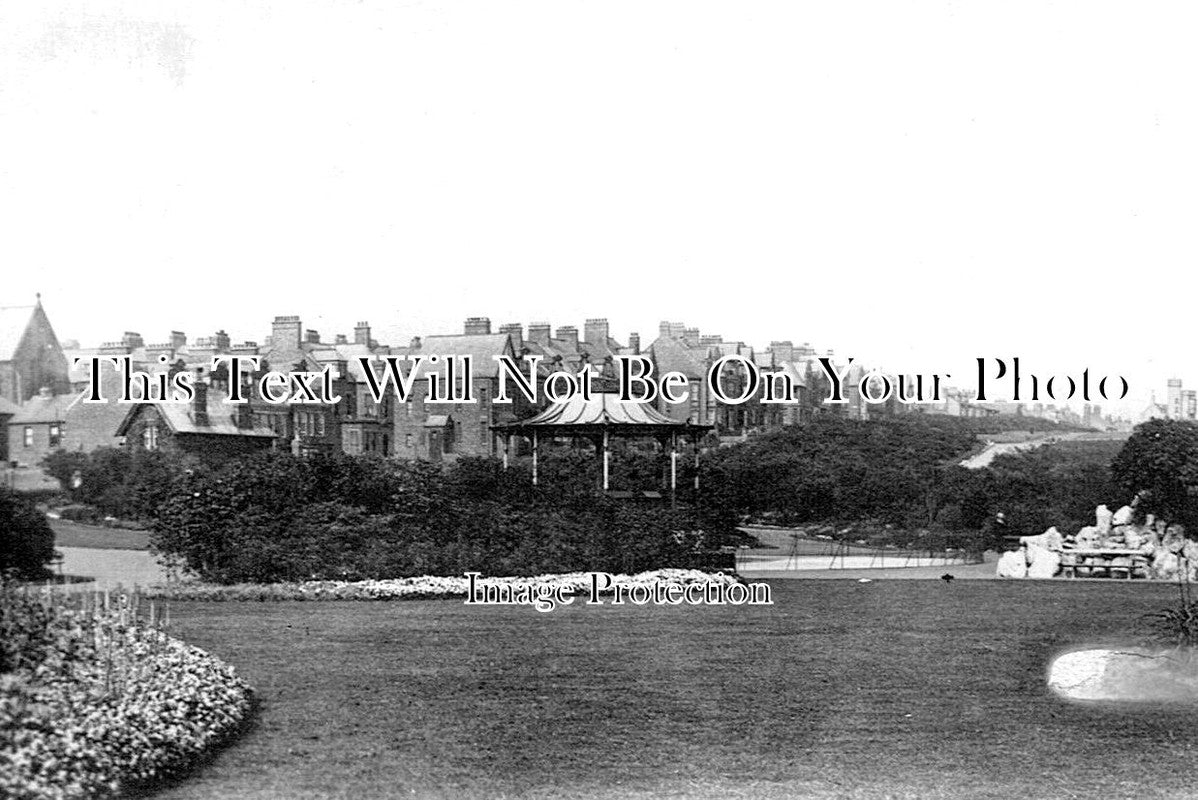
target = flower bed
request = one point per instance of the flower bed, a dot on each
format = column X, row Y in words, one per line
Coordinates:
column 93, row 702
column 427, row 587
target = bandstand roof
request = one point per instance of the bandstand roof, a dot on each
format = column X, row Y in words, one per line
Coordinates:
column 603, row 411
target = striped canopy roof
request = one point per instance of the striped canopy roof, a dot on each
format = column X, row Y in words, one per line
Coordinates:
column 603, row 410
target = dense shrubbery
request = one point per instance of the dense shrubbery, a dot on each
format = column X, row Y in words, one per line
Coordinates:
column 126, row 483
column 275, row 517
column 1059, row 485
column 26, row 541
column 836, row 469
column 902, row 473
column 92, row 703
column 1160, row 464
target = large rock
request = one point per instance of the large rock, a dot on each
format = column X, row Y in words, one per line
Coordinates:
column 1132, row 674
column 1103, row 515
column 1049, row 540
column 1088, row 538
column 1042, row 563
column 1012, row 565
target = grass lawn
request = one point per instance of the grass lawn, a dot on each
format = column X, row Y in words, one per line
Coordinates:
column 888, row 689
column 72, row 534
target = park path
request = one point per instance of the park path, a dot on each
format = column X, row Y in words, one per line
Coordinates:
column 110, row 568
column 995, row 449
column 126, row 564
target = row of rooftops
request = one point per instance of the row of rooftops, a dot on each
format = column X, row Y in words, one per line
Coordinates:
column 677, row 348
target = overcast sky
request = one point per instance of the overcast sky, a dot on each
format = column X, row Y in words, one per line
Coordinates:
column 911, row 183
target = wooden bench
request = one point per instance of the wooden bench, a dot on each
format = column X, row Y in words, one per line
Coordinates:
column 1100, row 562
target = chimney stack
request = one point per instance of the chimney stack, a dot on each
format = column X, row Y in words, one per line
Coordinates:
column 132, row 340
column 362, row 333
column 341, row 339
column 515, row 333
column 634, row 343
column 221, row 341
column 538, row 332
column 199, row 402
column 691, row 335
column 568, row 334
column 476, row 326
column 783, row 351
column 178, row 340
column 596, row 331
column 286, row 332
column 312, row 337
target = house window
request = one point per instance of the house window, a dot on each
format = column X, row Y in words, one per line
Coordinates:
column 319, row 424
column 149, row 437
column 449, row 435
column 28, row 436
column 55, row 435
column 407, row 441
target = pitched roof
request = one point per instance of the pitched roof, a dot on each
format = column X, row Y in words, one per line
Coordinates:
column 480, row 348
column 13, row 322
column 8, row 407
column 671, row 355
column 43, row 407
column 180, row 419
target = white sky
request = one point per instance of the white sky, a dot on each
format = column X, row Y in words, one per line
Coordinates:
column 911, row 183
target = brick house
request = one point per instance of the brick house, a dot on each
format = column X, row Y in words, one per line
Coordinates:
column 309, row 428
column 30, row 356
column 36, row 429
column 211, row 432
column 445, row 431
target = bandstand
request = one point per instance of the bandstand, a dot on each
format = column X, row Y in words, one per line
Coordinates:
column 600, row 419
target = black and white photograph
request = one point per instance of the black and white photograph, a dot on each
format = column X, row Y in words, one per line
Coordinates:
column 530, row 399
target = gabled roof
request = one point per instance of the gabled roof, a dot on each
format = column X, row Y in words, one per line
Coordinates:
column 351, row 353
column 180, row 419
column 480, row 347
column 671, row 355
column 602, row 410
column 797, row 372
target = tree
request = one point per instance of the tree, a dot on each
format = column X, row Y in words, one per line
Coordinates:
column 26, row 540
column 1159, row 465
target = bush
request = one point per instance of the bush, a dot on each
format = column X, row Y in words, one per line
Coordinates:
column 366, row 519
column 26, row 540
column 118, row 482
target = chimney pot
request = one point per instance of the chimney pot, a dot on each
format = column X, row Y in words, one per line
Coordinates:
column 477, row 326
